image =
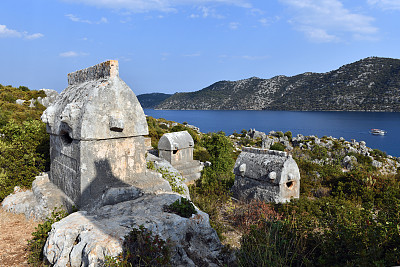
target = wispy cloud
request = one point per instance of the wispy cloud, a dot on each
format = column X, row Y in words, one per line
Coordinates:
column 164, row 56
column 72, row 54
column 234, row 25
column 329, row 20
column 74, row 18
column 157, row 5
column 10, row 33
column 385, row 4
column 207, row 12
column 33, row 36
column 268, row 21
column 192, row 55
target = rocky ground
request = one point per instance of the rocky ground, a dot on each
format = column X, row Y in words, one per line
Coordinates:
column 15, row 230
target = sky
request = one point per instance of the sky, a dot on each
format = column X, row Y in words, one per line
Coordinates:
column 170, row 46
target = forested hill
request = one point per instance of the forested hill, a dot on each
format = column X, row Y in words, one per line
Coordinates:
column 371, row 84
column 151, row 100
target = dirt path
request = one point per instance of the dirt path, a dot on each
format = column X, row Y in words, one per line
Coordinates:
column 15, row 230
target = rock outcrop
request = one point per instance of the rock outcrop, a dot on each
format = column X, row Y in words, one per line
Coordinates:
column 83, row 239
column 38, row 203
column 370, row 84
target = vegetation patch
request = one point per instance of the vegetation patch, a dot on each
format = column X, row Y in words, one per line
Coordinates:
column 142, row 248
column 182, row 207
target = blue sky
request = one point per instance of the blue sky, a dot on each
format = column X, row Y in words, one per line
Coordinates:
column 185, row 45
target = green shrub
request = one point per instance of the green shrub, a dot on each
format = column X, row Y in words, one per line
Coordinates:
column 23, row 154
column 182, row 207
column 277, row 146
column 273, row 243
column 378, row 154
column 200, row 153
column 36, row 244
column 142, row 248
column 280, row 134
column 288, row 134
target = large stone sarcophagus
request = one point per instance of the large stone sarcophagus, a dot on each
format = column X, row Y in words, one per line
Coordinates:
column 266, row 175
column 97, row 129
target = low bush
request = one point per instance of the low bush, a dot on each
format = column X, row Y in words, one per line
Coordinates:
column 182, row 207
column 277, row 146
column 142, row 248
column 288, row 134
column 272, row 243
column 23, row 154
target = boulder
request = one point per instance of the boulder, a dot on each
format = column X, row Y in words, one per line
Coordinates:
column 376, row 164
column 49, row 99
column 349, row 162
column 38, row 203
column 84, row 239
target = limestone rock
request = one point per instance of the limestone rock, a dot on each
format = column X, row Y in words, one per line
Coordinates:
column 39, row 202
column 83, row 239
column 163, row 164
column 19, row 101
column 349, row 162
column 377, row 164
column 49, row 99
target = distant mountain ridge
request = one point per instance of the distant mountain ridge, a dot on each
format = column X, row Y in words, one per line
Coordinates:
column 370, row 84
column 152, row 100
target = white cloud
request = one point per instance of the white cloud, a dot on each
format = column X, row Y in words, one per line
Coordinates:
column 386, row 4
column 234, row 25
column 193, row 55
column 74, row 18
column 72, row 54
column 9, row 33
column 33, row 36
column 329, row 20
column 319, row 35
column 159, row 5
column 247, row 57
column 5, row 32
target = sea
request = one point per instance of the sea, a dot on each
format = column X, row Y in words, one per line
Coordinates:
column 349, row 125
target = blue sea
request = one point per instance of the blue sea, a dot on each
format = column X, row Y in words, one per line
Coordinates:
column 350, row 125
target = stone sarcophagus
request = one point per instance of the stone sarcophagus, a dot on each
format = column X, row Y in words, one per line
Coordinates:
column 177, row 148
column 97, row 129
column 266, row 175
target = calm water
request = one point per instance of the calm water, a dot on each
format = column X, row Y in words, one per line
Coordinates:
column 350, row 125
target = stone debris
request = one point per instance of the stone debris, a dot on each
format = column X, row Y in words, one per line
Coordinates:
column 266, row 175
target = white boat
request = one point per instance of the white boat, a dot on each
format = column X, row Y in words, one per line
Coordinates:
column 377, row 132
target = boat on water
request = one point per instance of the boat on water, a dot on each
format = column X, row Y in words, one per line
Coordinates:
column 377, row 132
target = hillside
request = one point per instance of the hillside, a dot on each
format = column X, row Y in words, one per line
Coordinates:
column 152, row 100
column 370, row 84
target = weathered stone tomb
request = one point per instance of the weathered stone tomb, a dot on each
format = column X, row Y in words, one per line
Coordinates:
column 266, row 175
column 97, row 129
column 177, row 148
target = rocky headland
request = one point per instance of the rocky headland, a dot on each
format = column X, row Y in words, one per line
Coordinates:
column 370, row 84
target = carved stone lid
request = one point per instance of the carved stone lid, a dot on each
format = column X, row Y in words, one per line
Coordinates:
column 97, row 104
column 175, row 141
column 266, row 165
